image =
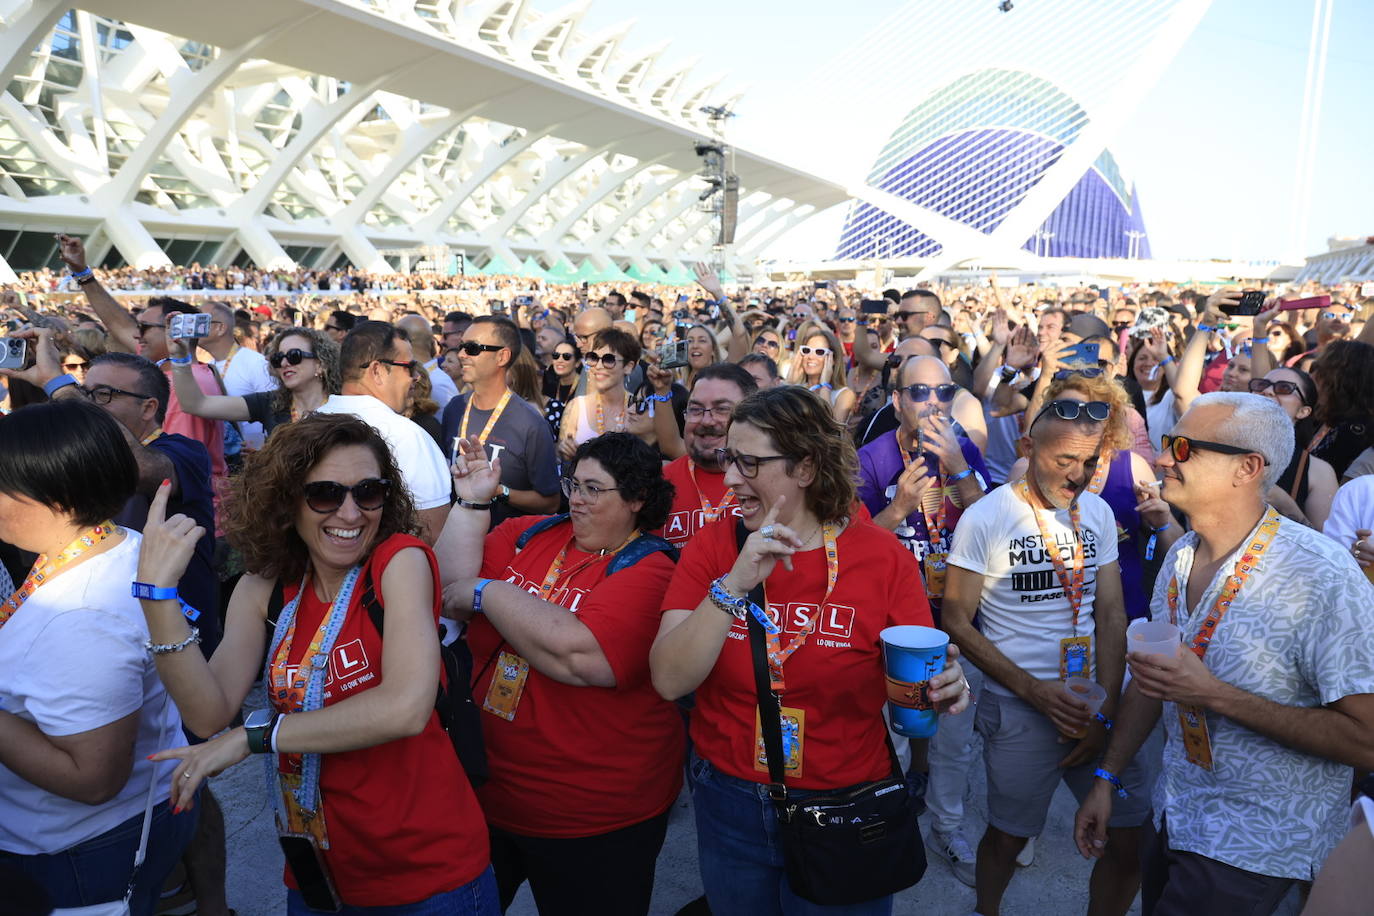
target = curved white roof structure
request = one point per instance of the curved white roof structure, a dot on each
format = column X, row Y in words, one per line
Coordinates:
column 311, row 131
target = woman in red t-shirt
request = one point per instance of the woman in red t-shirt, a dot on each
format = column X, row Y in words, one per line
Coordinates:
column 372, row 797
column 585, row 756
column 842, row 580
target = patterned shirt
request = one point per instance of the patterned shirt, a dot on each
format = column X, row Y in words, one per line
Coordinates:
column 1297, row 634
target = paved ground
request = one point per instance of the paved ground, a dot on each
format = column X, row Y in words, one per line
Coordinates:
column 1055, row 884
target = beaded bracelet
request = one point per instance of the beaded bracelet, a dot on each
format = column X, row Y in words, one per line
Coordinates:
column 1111, row 778
column 721, row 598
column 1106, row 723
column 169, row 648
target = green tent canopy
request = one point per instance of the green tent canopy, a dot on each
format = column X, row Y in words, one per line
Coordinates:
column 562, row 272
column 530, row 268
column 497, row 265
column 680, row 276
column 612, row 274
column 587, row 273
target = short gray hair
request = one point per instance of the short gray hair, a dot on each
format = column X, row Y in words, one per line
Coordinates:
column 1256, row 423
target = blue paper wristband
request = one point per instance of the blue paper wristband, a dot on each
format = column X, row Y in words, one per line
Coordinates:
column 154, row 593
column 477, row 594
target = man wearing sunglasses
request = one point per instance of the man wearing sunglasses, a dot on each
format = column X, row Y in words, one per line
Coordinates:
column 378, row 369
column 917, row 482
column 243, row 370
column 1036, row 560
column 515, row 435
column 878, row 418
column 1268, row 702
column 700, row 495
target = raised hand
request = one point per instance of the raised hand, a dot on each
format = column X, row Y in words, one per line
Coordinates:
column 72, row 251
column 168, row 543
column 708, row 280
column 474, row 477
column 1023, row 349
column 761, row 554
column 1001, row 327
column 45, row 363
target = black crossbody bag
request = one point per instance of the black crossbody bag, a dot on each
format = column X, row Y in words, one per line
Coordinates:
column 852, row 846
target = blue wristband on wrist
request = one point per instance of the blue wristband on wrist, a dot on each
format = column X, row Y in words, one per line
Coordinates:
column 477, row 594
column 181, row 361
column 154, row 593
column 53, row 385
column 955, row 478
column 81, row 274
column 1106, row 723
column 1111, row 778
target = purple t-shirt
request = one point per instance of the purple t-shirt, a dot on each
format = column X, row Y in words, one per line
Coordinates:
column 881, row 463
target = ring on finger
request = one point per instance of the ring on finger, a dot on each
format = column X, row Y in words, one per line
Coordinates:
column 186, row 775
column 767, row 532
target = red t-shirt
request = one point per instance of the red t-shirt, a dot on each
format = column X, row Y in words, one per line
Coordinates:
column 402, row 820
column 836, row 678
column 579, row 761
column 687, row 515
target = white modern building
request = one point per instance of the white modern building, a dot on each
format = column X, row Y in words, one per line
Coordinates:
column 318, row 132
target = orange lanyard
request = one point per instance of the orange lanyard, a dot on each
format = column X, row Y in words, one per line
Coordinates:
column 1249, row 559
column 152, row 436
column 777, row 652
column 44, row 569
column 711, row 512
column 556, row 573
column 934, row 523
column 289, row 693
column 229, row 360
column 1099, row 479
column 491, row 420
column 1072, row 583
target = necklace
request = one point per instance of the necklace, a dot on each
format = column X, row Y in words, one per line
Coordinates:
column 600, row 421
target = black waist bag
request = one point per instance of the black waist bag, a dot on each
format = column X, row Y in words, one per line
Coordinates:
column 855, row 845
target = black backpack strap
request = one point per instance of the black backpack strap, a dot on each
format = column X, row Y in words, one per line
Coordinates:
column 539, row 527
column 275, row 602
column 373, row 606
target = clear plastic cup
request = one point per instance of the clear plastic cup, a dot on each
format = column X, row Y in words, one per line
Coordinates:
column 1087, row 691
column 1153, row 637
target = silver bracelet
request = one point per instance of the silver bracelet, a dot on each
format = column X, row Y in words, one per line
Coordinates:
column 169, row 648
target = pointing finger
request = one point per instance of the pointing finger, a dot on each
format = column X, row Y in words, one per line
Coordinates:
column 157, row 510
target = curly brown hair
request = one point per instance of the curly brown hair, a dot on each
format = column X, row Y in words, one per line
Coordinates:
column 1104, row 387
column 1344, row 373
column 259, row 511
column 801, row 426
column 326, row 353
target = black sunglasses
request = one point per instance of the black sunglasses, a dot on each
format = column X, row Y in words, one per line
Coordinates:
column 920, row 392
column 748, row 464
column 292, row 356
column 473, row 348
column 562, row 356
column 143, row 326
column 1181, row 447
column 326, row 496
column 1261, row 385
column 1065, row 409
column 410, row 367
column 607, row 360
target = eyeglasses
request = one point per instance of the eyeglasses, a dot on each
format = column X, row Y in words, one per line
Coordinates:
column 1261, row 385
column 748, row 464
column 1086, row 372
column 80, row 364
column 292, row 356
column 473, row 348
column 563, row 356
column 326, row 496
column 608, row 360
column 1181, row 447
column 412, row 367
column 920, row 392
column 816, row 351
column 1343, row 316
column 589, row 493
column 104, row 394
column 1067, row 409
column 719, row 412
column 143, row 326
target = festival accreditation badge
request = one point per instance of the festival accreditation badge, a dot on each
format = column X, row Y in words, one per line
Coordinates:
column 936, row 565
column 1075, row 653
column 793, row 735
column 507, row 684
column 298, row 822
column 1197, row 743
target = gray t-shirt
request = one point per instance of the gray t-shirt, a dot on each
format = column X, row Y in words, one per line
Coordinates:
column 521, row 439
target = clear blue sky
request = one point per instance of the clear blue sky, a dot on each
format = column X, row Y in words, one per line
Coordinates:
column 1212, row 148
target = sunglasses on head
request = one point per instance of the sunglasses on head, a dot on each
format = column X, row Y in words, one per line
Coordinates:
column 920, row 392
column 1181, row 447
column 1085, row 371
column 1261, row 385
column 292, row 356
column 815, row 351
column 1067, row 409
column 608, row 360
column 473, row 348
column 325, row 496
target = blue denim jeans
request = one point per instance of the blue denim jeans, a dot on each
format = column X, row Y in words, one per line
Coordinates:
column 476, row 898
column 98, row 870
column 740, row 851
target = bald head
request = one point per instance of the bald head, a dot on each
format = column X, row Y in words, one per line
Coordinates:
column 421, row 336
column 627, row 326
column 924, row 370
column 591, row 320
column 914, row 346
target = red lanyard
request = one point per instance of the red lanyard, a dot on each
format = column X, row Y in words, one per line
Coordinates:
column 556, row 573
column 44, row 569
column 1249, row 559
column 711, row 512
column 1071, row 582
column 934, row 523
column 777, row 652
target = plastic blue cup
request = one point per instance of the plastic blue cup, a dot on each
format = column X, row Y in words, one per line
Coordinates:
column 912, row 655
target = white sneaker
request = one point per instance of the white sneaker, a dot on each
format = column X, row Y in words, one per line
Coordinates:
column 954, row 849
column 1026, row 857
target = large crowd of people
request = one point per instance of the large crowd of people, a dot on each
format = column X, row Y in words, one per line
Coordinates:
column 486, row 572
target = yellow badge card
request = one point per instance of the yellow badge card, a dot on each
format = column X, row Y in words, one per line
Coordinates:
column 793, row 739
column 1197, row 743
column 507, row 684
column 935, row 567
column 297, row 823
column 1075, row 657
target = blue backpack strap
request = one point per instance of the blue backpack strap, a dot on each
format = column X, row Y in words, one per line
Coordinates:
column 638, row 549
column 539, row 527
